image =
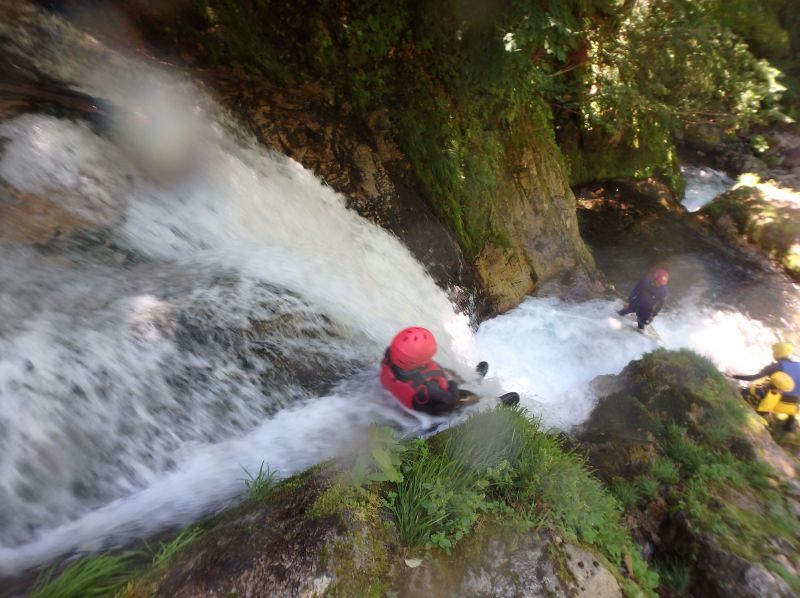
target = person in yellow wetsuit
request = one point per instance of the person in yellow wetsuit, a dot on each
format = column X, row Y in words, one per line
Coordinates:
column 769, row 392
column 777, row 386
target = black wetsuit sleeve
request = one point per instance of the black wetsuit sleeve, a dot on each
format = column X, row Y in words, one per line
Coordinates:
column 770, row 369
column 432, row 398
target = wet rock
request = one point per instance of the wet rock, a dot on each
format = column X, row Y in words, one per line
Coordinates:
column 763, row 219
column 304, row 541
column 506, row 563
column 659, row 425
column 727, row 574
column 33, row 220
column 704, row 137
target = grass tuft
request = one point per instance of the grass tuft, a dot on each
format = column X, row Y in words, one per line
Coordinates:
column 260, row 485
column 674, row 576
column 87, row 577
column 166, row 552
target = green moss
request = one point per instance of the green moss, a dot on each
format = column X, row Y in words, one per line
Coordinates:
column 333, row 500
column 640, row 155
column 360, row 561
column 501, row 462
column 780, row 570
column 697, row 420
column 772, row 226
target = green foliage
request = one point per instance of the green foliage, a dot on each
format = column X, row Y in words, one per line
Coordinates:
column 164, row 553
column 87, row 577
column 675, row 576
column 500, row 461
column 438, row 500
column 625, row 492
column 260, row 485
column 676, row 60
column 106, row 574
column 647, row 487
column 384, row 460
column 665, row 470
column 469, row 85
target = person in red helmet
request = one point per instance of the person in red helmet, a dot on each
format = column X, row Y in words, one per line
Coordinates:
column 410, row 374
column 647, row 298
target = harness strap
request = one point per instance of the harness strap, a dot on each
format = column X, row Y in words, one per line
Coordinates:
column 416, row 377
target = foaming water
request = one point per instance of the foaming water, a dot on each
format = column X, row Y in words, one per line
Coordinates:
column 550, row 350
column 702, row 185
column 223, row 309
column 213, row 475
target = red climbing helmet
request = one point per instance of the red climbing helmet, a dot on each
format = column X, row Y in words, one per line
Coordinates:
column 412, row 347
column 661, row 277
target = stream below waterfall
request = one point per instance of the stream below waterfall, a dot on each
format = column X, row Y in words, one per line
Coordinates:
column 223, row 308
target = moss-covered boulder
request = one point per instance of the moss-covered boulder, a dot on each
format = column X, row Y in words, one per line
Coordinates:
column 492, row 507
column 761, row 216
column 707, row 491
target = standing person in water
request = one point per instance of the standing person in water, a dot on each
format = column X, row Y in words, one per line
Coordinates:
column 647, row 298
column 785, row 397
column 410, row 374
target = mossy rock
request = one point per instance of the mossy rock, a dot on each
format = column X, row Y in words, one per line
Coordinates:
column 323, row 532
column 699, row 474
column 772, row 225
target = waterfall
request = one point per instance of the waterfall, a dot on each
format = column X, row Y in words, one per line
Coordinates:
column 214, row 285
column 220, row 308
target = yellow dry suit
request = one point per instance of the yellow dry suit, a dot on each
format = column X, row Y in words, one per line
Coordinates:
column 770, row 394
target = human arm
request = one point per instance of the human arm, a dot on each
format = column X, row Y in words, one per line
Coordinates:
column 766, row 371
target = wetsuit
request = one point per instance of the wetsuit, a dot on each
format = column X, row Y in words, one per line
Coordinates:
column 792, row 368
column 646, row 299
column 424, row 388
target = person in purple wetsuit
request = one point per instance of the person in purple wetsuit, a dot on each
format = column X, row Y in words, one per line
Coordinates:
column 647, row 298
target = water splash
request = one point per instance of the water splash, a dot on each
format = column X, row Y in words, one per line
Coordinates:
column 132, row 389
column 702, row 185
column 550, row 350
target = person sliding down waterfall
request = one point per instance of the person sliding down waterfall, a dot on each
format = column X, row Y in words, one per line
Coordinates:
column 410, row 374
column 781, row 392
column 647, row 298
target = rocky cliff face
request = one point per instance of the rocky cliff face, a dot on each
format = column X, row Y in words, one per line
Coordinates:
column 533, row 211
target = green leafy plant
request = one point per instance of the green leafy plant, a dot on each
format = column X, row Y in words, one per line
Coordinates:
column 382, row 464
column 88, row 576
column 674, row 576
column 260, row 484
column 166, row 552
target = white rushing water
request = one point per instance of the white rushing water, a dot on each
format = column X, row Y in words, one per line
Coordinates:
column 132, row 392
column 702, row 185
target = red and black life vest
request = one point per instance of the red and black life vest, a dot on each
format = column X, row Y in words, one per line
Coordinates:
column 425, row 388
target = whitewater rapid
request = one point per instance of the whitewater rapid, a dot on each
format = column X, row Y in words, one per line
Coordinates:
column 227, row 310
column 702, row 185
